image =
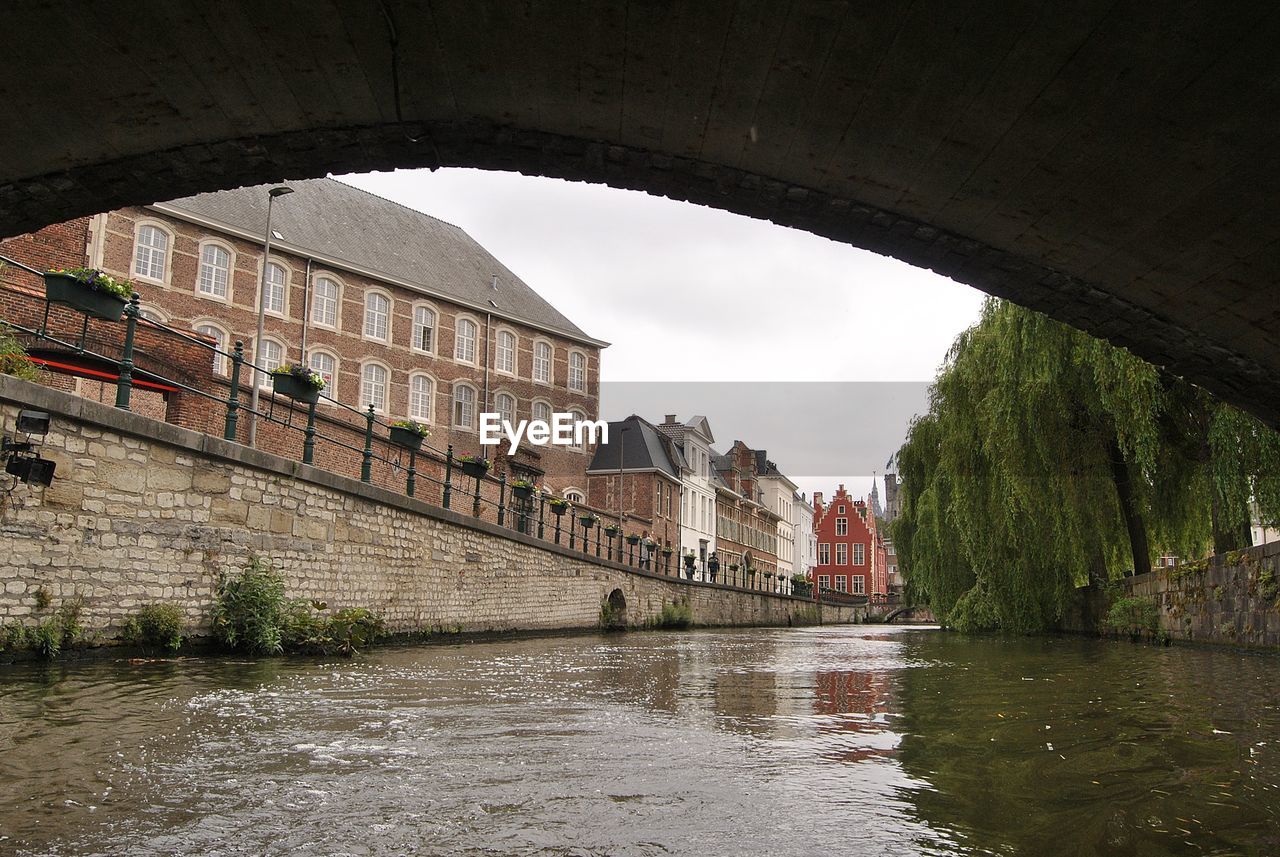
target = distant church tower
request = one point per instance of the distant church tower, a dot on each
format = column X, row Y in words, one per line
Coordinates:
column 892, row 497
column 876, row 508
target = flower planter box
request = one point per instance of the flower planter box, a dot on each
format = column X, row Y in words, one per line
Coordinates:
column 522, row 492
column 587, row 523
column 558, row 509
column 475, row 469
column 66, row 289
column 633, row 540
column 295, row 388
column 406, row 437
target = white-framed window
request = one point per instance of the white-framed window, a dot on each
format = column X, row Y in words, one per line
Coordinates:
column 377, row 316
column 219, row 337
column 277, row 283
column 842, row 526
column 542, row 411
column 578, row 418
column 842, row 554
column 215, row 272
column 542, row 362
column 373, row 387
column 842, row 583
column 326, row 366
column 271, row 356
column 324, row 302
column 859, row 585
column 464, row 406
column 577, row 371
column 464, row 341
column 422, row 392
column 150, row 313
column 575, row 496
column 150, row 252
column 424, row 328
column 505, row 403
column 859, row 554
column 824, row 554
column 504, row 359
column 824, row 581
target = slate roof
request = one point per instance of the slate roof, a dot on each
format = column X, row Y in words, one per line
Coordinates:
column 643, row 449
column 337, row 223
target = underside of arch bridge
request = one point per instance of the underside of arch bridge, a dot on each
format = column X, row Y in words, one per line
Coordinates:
column 1112, row 164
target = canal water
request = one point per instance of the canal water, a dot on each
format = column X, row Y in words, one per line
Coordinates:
column 833, row 741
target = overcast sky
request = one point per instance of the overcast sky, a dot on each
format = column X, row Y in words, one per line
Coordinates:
column 692, row 294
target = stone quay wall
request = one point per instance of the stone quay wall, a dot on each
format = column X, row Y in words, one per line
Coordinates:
column 1232, row 599
column 141, row 511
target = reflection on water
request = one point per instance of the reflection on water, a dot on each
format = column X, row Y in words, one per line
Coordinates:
column 831, row 740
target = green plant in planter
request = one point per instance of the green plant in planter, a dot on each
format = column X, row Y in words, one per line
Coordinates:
column 558, row 505
column 588, row 519
column 298, row 382
column 633, row 539
column 524, row 488
column 98, row 281
column 612, row 531
column 408, row 433
column 305, row 375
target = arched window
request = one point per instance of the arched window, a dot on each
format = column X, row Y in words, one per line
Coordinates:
column 421, row 398
column 150, row 252
column 573, row 495
column 373, row 387
column 277, row 280
column 377, row 316
column 215, row 271
column 505, row 358
column 577, row 371
column 326, row 366
column 464, row 342
column 464, row 406
column 424, row 328
column 219, row 337
column 150, row 313
column 271, row 356
column 324, row 303
column 542, row 362
column 506, row 405
column 542, row 411
column 578, row 418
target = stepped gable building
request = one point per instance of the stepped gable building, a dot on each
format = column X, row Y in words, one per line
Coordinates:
column 636, row 476
column 851, row 557
column 746, row 529
column 393, row 307
column 698, row 504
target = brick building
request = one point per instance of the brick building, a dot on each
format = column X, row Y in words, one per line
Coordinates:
column 851, row 554
column 645, row 466
column 395, row 308
column 746, row 529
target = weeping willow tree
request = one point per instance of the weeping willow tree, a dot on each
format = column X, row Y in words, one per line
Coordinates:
column 1049, row 458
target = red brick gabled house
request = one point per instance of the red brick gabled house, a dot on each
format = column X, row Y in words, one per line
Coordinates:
column 850, row 551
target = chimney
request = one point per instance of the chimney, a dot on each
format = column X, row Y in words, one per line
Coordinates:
column 669, row 420
column 817, row 498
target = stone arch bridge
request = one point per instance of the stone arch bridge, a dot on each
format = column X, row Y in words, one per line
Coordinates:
column 1111, row 164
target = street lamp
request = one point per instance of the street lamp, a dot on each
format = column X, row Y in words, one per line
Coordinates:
column 622, row 448
column 262, row 311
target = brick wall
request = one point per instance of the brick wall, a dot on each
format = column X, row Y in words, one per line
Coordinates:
column 141, row 512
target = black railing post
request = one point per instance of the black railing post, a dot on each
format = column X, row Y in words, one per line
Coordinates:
column 448, row 475
column 558, row 519
column 542, row 512
column 413, row 472
column 502, row 499
column 597, row 538
column 475, row 508
column 572, row 514
column 366, row 466
column 309, row 436
column 233, row 399
column 124, row 386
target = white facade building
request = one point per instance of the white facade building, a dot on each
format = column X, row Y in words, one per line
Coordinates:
column 698, row 495
column 806, row 542
column 778, row 495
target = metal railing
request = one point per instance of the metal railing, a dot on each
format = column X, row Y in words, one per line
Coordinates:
column 574, row 526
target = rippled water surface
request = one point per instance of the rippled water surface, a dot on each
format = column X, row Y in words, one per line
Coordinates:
column 845, row 741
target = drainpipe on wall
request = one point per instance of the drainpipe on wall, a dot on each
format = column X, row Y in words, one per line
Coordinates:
column 306, row 311
column 488, row 328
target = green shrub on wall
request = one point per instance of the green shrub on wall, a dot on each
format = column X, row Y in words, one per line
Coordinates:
column 253, row 615
column 156, row 626
column 1134, row 616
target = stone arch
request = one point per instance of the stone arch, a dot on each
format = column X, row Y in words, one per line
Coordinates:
column 613, row 612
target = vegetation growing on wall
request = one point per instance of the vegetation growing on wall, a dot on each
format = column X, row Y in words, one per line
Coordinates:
column 676, row 615
column 1049, row 458
column 13, row 358
column 252, row 614
column 156, row 626
column 51, row 635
